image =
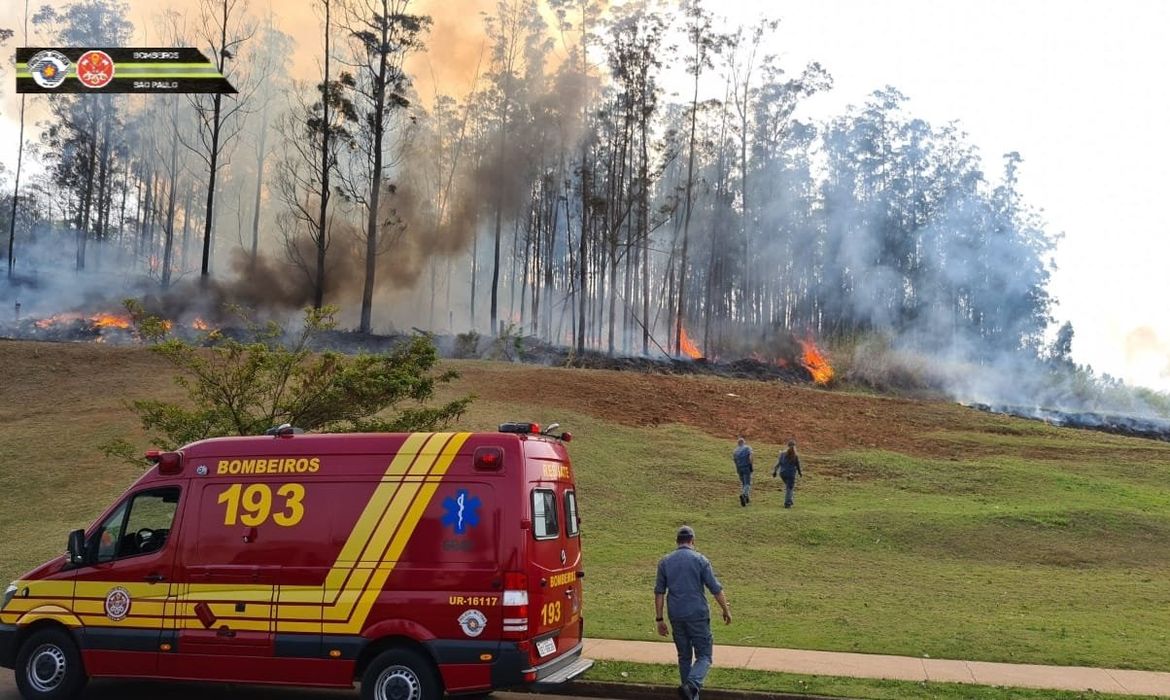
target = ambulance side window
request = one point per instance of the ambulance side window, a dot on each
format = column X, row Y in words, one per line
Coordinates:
column 572, row 524
column 544, row 514
column 110, row 534
column 142, row 525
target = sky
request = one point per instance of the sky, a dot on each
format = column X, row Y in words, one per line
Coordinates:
column 1078, row 87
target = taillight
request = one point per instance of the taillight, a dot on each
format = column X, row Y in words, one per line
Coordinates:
column 515, row 605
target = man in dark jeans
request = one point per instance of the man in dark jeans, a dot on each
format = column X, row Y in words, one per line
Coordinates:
column 742, row 457
column 682, row 576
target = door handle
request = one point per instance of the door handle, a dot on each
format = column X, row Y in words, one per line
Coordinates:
column 155, row 578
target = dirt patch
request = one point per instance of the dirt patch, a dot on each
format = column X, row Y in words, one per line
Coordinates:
column 43, row 377
column 766, row 412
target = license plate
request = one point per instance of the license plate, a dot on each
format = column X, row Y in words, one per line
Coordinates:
column 546, row 646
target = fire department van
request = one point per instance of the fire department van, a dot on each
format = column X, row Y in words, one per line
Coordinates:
column 416, row 564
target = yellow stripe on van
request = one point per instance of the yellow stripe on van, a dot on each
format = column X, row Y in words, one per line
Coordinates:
column 418, row 507
column 50, row 612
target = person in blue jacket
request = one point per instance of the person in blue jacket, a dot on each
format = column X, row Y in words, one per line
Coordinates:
column 788, row 467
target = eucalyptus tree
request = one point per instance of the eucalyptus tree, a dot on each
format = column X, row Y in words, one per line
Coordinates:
column 224, row 29
column 382, row 33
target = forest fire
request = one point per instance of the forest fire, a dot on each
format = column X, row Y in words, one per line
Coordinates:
column 200, row 325
column 57, row 319
column 815, row 362
column 110, row 321
column 98, row 320
column 687, row 346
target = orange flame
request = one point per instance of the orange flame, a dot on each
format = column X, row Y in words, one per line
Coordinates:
column 200, row 325
column 100, row 320
column 687, row 346
column 110, row 321
column 815, row 362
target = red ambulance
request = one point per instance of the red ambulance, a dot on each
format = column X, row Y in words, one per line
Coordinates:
column 415, row 564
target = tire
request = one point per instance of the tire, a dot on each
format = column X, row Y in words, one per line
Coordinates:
column 49, row 667
column 401, row 674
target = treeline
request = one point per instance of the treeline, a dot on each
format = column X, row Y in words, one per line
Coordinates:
column 569, row 194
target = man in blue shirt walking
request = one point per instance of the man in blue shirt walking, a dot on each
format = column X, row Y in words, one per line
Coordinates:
column 742, row 456
column 682, row 577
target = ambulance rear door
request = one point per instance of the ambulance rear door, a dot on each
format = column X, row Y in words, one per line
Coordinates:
column 555, row 566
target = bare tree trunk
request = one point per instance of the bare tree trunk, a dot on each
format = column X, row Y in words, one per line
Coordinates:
column 682, row 266
column 169, row 227
column 209, row 217
column 474, row 265
column 83, row 218
column 16, row 183
column 139, row 215
column 122, row 213
column 186, row 259
column 499, row 218
column 103, row 194
column 19, row 160
column 379, row 129
column 259, row 185
column 644, row 225
column 582, row 254
column 323, row 220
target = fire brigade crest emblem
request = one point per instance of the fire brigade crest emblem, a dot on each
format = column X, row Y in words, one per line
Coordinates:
column 472, row 622
column 48, row 68
column 117, row 604
column 95, row 69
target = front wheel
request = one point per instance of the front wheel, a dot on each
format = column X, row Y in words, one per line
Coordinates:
column 400, row 674
column 48, row 667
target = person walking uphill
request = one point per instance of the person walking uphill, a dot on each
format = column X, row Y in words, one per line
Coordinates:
column 742, row 456
column 682, row 576
column 788, row 466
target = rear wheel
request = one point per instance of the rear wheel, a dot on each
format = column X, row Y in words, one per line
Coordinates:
column 48, row 667
column 400, row 674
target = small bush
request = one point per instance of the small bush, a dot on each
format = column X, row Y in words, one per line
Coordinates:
column 244, row 388
column 466, row 345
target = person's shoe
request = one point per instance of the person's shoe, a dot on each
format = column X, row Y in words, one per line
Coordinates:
column 692, row 690
column 742, row 500
column 787, row 505
column 684, row 692
column 748, row 499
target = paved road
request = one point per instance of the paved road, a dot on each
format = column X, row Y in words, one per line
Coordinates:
column 141, row 690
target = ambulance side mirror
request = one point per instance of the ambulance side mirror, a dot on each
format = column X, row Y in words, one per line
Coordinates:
column 77, row 547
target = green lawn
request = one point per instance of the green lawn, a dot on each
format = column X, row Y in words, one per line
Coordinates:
column 1025, row 543
column 996, row 558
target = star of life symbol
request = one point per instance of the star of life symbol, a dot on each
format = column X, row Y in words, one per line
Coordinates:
column 462, row 511
column 48, row 68
column 117, row 604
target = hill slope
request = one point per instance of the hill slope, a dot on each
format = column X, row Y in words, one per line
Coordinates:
column 922, row 527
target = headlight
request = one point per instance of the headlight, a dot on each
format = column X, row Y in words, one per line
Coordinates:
column 8, row 593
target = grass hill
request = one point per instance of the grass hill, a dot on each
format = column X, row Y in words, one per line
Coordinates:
column 921, row 528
